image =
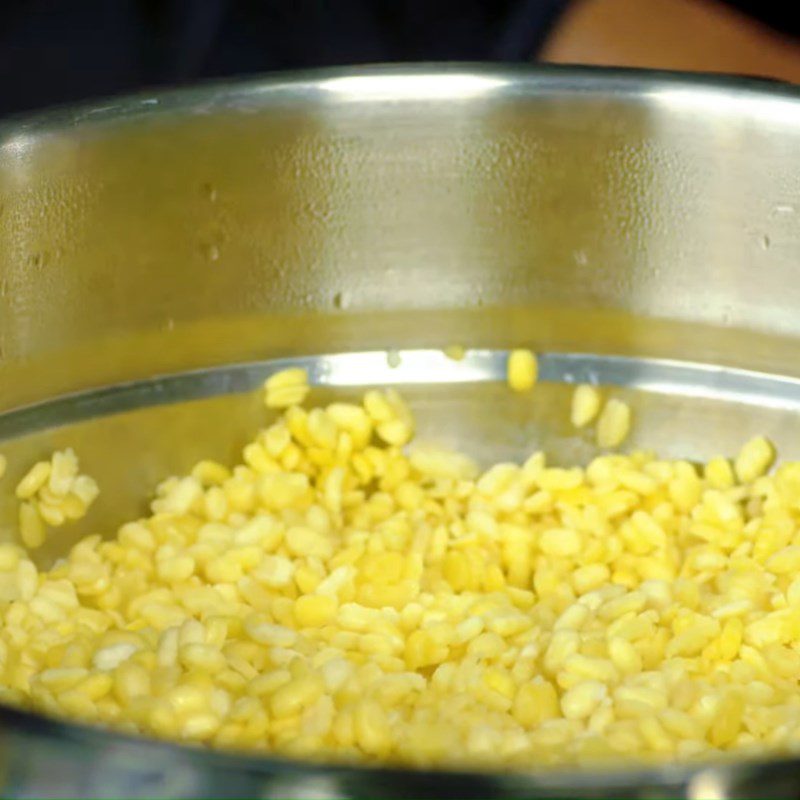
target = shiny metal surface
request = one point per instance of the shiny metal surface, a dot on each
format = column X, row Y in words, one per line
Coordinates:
column 654, row 215
column 641, row 229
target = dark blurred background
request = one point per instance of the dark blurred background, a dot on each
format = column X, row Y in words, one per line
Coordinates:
column 57, row 51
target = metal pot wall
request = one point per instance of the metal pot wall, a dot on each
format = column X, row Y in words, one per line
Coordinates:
column 649, row 223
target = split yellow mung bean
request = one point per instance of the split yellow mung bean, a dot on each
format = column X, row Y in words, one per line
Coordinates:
column 336, row 596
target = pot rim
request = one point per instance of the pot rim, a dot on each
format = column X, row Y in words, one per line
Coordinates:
column 381, row 83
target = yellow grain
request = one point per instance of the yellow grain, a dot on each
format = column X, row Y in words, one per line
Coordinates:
column 455, row 352
column 34, row 480
column 286, row 388
column 586, row 402
column 614, row 424
column 754, row 459
column 522, row 370
column 31, row 526
column 334, row 596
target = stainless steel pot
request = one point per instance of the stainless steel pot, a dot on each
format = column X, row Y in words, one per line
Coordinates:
column 640, row 227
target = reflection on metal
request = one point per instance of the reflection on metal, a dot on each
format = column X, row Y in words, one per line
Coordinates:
column 16, row 146
column 313, row 787
column 454, row 86
column 416, row 368
column 708, row 785
column 770, row 109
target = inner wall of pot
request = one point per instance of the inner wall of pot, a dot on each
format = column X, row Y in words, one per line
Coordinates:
column 653, row 219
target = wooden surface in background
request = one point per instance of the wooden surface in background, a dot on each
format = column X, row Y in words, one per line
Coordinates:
column 699, row 35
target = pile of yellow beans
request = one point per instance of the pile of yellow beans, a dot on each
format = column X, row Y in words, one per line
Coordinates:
column 344, row 593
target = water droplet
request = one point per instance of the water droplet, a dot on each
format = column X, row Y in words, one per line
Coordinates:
column 340, row 300
column 784, row 208
column 170, row 325
column 581, row 257
column 210, row 252
column 209, row 191
column 393, row 359
column 765, row 242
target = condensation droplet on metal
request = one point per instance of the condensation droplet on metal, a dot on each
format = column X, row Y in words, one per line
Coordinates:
column 210, row 252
